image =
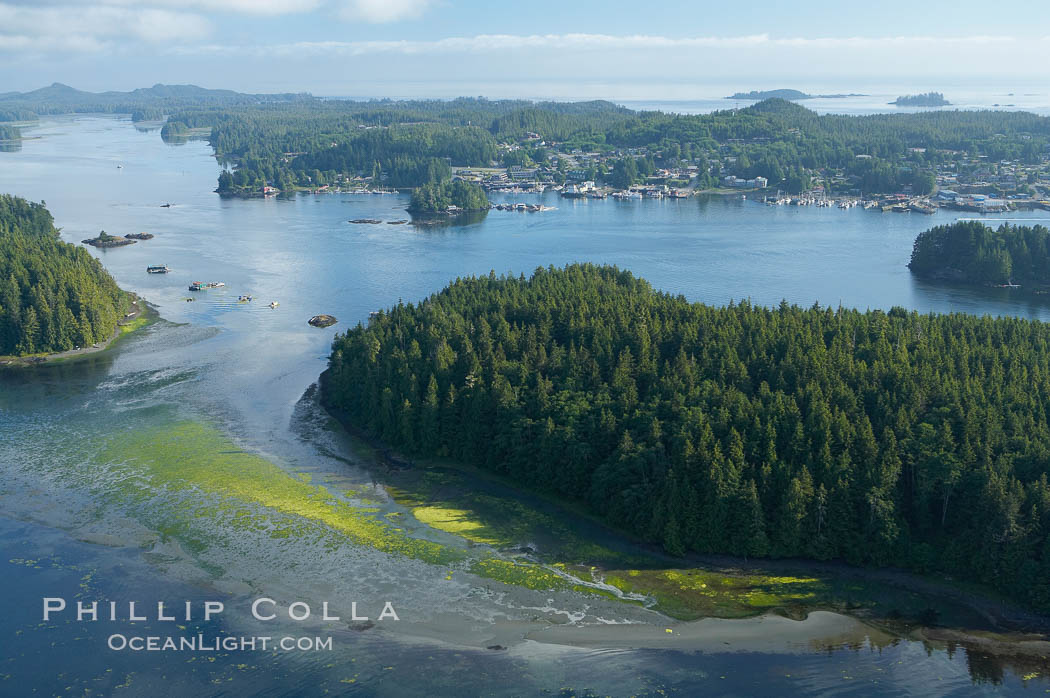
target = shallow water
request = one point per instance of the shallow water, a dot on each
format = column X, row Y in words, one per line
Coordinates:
column 85, row 494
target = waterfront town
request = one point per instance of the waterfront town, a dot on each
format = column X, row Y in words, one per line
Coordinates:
column 958, row 181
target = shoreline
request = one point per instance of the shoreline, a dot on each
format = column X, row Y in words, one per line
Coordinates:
column 141, row 315
column 1016, row 630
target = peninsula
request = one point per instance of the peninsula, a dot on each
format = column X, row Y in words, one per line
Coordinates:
column 739, row 430
column 54, row 296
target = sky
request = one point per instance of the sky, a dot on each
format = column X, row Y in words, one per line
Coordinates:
column 564, row 49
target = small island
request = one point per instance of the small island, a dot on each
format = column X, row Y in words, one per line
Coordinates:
column 790, row 95
column 322, row 320
column 174, row 129
column 105, row 240
column 970, row 252
column 450, row 198
column 929, row 99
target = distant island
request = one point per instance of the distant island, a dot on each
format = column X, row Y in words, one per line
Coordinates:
column 759, row 95
column 973, row 253
column 930, row 99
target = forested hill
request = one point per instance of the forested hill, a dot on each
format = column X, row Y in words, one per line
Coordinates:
column 971, row 252
column 53, row 295
column 145, row 103
column 878, row 438
column 313, row 143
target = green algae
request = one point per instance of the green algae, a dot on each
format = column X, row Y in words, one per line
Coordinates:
column 192, row 457
column 249, row 493
column 688, row 594
column 455, row 521
column 192, row 471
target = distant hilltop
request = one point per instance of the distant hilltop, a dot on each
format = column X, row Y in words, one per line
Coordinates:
column 930, row 99
column 144, row 104
column 759, row 95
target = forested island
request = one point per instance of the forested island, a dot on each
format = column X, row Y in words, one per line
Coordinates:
column 53, row 296
column 972, row 252
column 448, row 197
column 787, row 94
column 928, row 99
column 919, row 441
column 173, row 130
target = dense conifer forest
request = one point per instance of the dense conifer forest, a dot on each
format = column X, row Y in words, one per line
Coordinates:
column 408, row 143
column 972, row 252
column 878, row 438
column 53, row 295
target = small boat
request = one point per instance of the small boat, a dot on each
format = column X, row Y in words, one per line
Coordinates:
column 165, row 205
column 120, row 167
column 198, row 286
column 157, row 269
column 274, row 304
column 244, row 299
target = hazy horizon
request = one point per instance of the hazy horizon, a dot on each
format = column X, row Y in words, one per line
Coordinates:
column 419, row 48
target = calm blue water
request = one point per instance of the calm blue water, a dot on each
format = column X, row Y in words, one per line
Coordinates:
column 244, row 368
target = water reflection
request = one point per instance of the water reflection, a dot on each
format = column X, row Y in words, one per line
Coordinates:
column 459, row 220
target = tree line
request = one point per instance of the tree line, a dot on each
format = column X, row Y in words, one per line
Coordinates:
column 878, row 438
column 53, row 296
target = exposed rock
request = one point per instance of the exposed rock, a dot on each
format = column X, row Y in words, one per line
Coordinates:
column 104, row 239
column 322, row 321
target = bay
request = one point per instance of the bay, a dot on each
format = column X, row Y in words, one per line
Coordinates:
column 238, row 376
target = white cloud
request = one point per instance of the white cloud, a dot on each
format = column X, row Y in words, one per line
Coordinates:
column 252, row 7
column 381, row 11
column 563, row 43
column 87, row 29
